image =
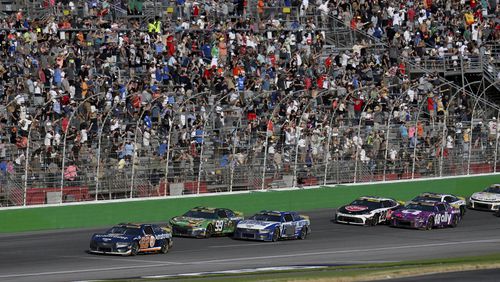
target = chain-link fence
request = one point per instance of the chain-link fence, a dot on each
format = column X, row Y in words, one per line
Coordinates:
column 209, row 143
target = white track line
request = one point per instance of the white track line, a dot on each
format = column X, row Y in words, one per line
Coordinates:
column 239, row 245
column 158, row 264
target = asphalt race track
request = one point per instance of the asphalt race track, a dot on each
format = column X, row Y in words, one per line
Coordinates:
column 61, row 255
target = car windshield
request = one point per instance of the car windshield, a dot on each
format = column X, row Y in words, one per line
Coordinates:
column 493, row 189
column 201, row 214
column 124, row 231
column 266, row 217
column 370, row 204
column 428, row 198
column 420, row 207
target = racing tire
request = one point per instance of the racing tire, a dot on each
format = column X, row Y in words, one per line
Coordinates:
column 430, row 224
column 462, row 211
column 276, row 235
column 303, row 233
column 165, row 247
column 134, row 249
column 375, row 219
column 210, row 231
column 454, row 222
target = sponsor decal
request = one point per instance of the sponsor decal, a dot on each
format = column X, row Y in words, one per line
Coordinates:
column 111, row 236
column 356, row 208
column 162, row 236
column 412, row 212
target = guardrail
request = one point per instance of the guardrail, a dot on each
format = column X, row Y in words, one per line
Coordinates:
column 105, row 213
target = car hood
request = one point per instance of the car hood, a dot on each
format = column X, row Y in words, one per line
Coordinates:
column 354, row 209
column 187, row 221
column 113, row 238
column 409, row 214
column 256, row 224
column 486, row 196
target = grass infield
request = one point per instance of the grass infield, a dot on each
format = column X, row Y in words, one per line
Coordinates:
column 161, row 210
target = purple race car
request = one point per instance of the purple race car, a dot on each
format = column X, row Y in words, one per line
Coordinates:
column 426, row 215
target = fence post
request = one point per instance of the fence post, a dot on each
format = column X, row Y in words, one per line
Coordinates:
column 26, row 166
column 64, row 141
column 297, row 138
column 98, row 169
column 330, row 124
column 134, row 154
column 471, row 135
column 388, row 129
column 359, row 139
column 415, row 147
column 200, row 168
column 496, row 143
column 167, row 161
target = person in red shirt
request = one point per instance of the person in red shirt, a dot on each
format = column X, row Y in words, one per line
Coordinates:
column 196, row 10
column 328, row 62
column 411, row 15
column 358, row 105
column 430, row 106
column 170, row 45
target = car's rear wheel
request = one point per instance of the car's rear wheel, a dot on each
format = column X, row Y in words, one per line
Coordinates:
column 454, row 221
column 375, row 219
column 134, row 249
column 462, row 210
column 165, row 247
column 276, row 235
column 210, row 231
column 303, row 233
column 430, row 224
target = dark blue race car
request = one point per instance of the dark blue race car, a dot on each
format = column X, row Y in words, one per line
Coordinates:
column 273, row 225
column 131, row 239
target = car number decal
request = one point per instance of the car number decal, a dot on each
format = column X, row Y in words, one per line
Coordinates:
column 219, row 225
column 442, row 218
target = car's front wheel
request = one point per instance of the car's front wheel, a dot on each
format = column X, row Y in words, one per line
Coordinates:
column 210, row 231
column 276, row 235
column 134, row 249
column 430, row 224
column 303, row 233
column 375, row 219
column 165, row 247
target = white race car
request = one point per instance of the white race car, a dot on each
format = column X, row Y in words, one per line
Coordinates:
column 454, row 201
column 367, row 211
column 488, row 199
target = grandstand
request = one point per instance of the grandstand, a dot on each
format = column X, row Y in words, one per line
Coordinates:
column 118, row 99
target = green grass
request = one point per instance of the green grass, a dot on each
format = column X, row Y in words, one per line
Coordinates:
column 357, row 272
column 161, row 210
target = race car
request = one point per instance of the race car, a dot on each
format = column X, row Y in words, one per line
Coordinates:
column 203, row 222
column 131, row 239
column 273, row 226
column 367, row 210
column 454, row 201
column 488, row 199
column 426, row 215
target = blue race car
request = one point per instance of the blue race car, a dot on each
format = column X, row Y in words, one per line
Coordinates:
column 273, row 225
column 131, row 239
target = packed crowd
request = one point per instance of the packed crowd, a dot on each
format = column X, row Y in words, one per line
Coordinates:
column 143, row 93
